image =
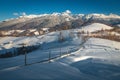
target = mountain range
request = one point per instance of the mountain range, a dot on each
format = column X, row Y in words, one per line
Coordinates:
column 58, row 19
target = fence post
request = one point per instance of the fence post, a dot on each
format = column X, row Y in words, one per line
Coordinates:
column 25, row 58
column 49, row 56
column 60, row 52
column 68, row 52
column 25, row 52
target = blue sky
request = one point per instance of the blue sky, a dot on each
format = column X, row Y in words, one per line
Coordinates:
column 10, row 7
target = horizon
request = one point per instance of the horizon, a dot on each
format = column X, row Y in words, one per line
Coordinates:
column 14, row 8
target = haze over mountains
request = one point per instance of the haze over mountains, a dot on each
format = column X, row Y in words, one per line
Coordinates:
column 58, row 20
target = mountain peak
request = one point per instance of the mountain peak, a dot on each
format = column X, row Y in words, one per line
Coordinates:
column 69, row 14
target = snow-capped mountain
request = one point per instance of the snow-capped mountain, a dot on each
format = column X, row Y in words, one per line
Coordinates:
column 101, row 16
column 57, row 21
column 36, row 21
column 66, row 54
column 51, row 20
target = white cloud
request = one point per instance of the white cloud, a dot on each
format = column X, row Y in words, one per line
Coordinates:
column 19, row 14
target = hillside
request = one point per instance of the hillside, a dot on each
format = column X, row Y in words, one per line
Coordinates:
column 58, row 19
column 36, row 32
column 60, row 40
column 96, row 27
column 94, row 60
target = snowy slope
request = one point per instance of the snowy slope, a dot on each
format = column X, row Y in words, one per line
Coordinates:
column 10, row 42
column 50, row 39
column 97, row 59
column 99, row 49
column 95, row 27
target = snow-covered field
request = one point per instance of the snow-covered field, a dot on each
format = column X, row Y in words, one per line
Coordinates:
column 94, row 59
column 10, row 42
column 95, row 27
column 97, row 59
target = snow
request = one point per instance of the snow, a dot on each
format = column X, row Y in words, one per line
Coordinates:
column 32, row 30
column 47, row 39
column 115, row 33
column 109, row 43
column 118, row 25
column 45, row 29
column 97, row 60
column 12, row 32
column 69, row 14
column 101, row 16
column 36, row 33
column 95, row 27
column 55, row 14
column 66, row 13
